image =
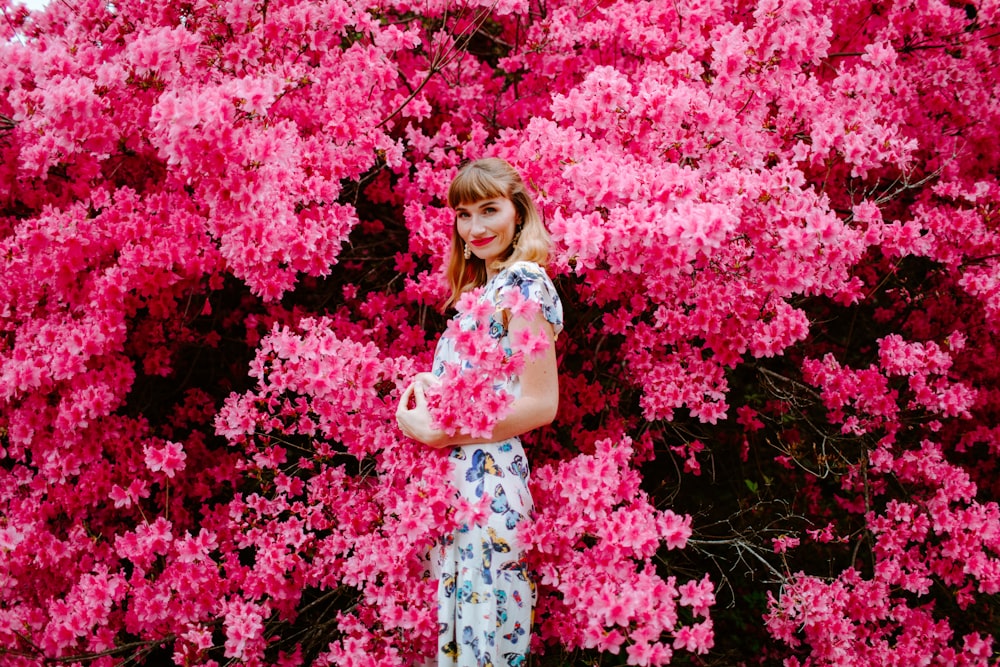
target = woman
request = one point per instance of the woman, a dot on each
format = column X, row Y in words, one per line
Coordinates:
column 485, row 595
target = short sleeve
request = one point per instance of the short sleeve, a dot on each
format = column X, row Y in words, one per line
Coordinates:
column 535, row 285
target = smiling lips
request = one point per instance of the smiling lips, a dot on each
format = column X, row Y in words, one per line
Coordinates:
column 479, row 243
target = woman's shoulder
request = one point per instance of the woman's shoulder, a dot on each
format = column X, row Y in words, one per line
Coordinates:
column 526, row 270
column 528, row 278
column 534, row 284
column 524, row 276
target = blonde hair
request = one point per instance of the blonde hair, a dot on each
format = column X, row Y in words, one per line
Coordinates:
column 490, row 178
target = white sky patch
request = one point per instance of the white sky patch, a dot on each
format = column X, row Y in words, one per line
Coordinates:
column 32, row 4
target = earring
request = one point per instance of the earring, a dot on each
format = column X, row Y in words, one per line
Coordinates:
column 467, row 253
column 517, row 237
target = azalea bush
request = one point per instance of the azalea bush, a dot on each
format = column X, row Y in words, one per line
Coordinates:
column 776, row 238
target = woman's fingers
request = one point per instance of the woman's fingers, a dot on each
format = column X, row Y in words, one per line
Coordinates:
column 404, row 399
column 419, row 399
column 413, row 421
column 427, row 379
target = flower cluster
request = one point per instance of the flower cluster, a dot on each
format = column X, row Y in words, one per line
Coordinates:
column 593, row 545
column 472, row 396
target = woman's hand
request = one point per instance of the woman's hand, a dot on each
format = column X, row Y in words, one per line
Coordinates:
column 426, row 379
column 416, row 422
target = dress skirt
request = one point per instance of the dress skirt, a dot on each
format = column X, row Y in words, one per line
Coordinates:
column 485, row 594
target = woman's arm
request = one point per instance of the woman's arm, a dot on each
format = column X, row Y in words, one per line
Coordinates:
column 536, row 406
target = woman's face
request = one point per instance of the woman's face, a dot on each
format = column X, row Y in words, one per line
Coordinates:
column 488, row 226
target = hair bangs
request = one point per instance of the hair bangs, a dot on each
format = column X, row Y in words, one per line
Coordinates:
column 472, row 185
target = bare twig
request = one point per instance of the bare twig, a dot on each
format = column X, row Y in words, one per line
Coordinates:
column 798, row 385
column 36, row 651
column 741, row 546
column 442, row 60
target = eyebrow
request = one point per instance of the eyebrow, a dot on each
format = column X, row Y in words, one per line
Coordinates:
column 486, row 202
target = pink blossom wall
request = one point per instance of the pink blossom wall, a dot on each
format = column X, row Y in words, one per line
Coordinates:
column 777, row 240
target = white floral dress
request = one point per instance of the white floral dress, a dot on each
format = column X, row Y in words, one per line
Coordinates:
column 485, row 594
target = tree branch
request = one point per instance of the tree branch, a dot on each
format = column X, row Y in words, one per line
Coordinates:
column 439, row 62
column 36, row 651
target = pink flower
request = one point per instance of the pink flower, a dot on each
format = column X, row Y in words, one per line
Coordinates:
column 125, row 497
column 784, row 543
column 169, row 458
column 698, row 638
column 675, row 529
column 244, row 627
column 700, row 596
